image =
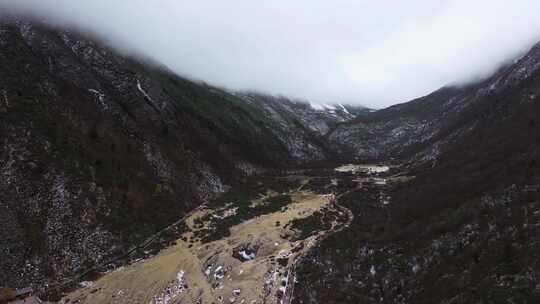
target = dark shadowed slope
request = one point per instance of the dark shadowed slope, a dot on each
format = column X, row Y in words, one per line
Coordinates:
column 99, row 150
column 419, row 129
column 461, row 225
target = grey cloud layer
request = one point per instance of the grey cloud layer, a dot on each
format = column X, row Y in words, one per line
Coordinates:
column 366, row 52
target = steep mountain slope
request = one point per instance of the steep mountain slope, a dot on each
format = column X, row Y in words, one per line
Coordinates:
column 317, row 118
column 461, row 224
column 418, row 129
column 99, row 151
column 391, row 131
column 298, row 120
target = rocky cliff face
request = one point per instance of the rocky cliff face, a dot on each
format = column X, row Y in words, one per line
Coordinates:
column 99, row 151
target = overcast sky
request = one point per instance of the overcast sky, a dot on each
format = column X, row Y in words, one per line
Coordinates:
column 375, row 53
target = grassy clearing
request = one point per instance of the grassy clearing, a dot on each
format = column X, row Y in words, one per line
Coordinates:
column 217, row 225
column 141, row 281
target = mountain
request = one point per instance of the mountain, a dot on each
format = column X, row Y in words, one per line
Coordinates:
column 420, row 128
column 458, row 222
column 392, row 131
column 100, row 150
column 299, row 119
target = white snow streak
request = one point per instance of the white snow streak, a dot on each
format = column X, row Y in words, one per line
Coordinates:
column 344, row 109
column 100, row 96
column 139, row 87
column 5, row 98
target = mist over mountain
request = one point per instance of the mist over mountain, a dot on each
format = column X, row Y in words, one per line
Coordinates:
column 357, row 52
column 122, row 180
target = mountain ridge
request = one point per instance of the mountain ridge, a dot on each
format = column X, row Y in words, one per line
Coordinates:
column 94, row 137
column 460, row 224
column 100, row 151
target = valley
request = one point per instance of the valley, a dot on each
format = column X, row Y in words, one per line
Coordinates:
column 123, row 182
column 254, row 261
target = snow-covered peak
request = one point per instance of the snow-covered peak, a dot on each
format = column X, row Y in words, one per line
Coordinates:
column 335, row 110
column 344, row 109
column 322, row 106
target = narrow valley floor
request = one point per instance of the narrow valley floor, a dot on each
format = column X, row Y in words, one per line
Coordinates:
column 241, row 248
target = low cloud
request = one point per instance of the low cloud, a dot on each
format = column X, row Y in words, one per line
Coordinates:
column 374, row 53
